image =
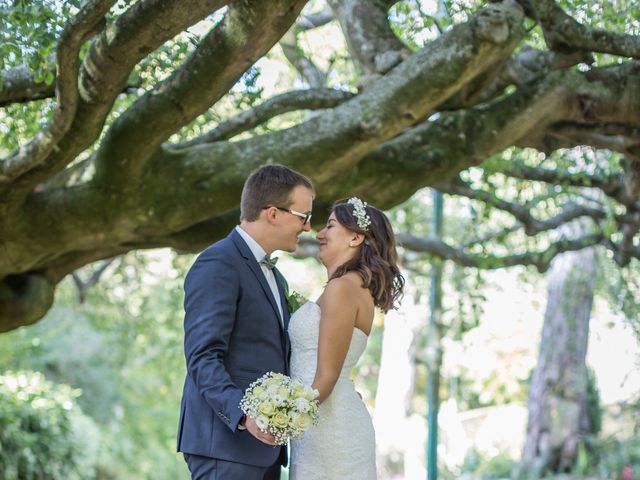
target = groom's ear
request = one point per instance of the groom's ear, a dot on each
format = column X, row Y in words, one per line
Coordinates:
column 270, row 214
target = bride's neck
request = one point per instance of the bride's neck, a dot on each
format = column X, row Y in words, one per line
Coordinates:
column 330, row 268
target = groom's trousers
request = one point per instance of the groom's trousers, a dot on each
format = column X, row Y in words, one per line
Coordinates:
column 205, row 468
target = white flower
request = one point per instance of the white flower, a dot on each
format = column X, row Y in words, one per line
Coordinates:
column 262, row 422
column 282, row 406
column 302, row 405
column 281, row 420
column 360, row 212
column 267, row 409
column 303, row 422
column 284, row 392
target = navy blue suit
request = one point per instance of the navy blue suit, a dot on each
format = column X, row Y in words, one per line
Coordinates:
column 233, row 335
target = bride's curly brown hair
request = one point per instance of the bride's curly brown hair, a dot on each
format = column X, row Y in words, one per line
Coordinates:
column 376, row 259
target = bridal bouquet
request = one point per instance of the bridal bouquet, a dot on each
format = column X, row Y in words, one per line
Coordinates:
column 281, row 405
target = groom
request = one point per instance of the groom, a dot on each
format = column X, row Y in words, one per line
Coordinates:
column 235, row 329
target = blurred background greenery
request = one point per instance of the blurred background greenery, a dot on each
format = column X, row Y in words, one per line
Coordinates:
column 93, row 390
column 121, row 353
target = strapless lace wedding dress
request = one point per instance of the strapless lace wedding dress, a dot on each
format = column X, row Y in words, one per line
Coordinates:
column 342, row 445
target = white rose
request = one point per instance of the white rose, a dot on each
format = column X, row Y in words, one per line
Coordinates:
column 302, row 405
column 281, row 420
column 302, row 422
column 311, row 393
column 284, row 392
column 264, row 395
column 299, row 391
column 267, row 409
column 262, row 422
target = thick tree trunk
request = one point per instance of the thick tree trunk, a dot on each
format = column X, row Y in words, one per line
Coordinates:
column 558, row 390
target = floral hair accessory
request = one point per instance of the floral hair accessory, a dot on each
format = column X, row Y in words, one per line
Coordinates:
column 360, row 212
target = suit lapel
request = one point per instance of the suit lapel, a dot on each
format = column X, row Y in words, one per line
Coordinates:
column 283, row 289
column 257, row 271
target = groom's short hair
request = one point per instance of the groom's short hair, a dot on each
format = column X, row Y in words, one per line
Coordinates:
column 269, row 185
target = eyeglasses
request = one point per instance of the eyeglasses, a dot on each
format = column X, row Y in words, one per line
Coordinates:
column 305, row 217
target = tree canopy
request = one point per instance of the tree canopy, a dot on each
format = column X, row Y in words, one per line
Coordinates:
column 133, row 124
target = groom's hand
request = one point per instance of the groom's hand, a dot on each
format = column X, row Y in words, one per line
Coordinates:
column 252, row 428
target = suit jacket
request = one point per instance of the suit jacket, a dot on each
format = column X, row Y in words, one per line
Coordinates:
column 233, row 335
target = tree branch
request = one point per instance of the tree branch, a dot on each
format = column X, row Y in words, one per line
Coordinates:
column 312, row 99
column 314, row 20
column 247, row 32
column 522, row 213
column 104, row 73
column 563, row 33
column 541, row 260
column 72, row 39
column 373, row 45
column 205, row 181
column 315, row 77
column 626, row 249
column 612, row 186
column 35, row 92
column 526, row 66
column 18, row 86
column 83, row 286
column 491, row 236
column 439, row 148
column 602, row 136
column 343, row 134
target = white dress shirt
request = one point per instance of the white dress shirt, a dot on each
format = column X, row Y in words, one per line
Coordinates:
column 259, row 253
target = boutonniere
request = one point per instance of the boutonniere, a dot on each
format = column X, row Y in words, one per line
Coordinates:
column 294, row 301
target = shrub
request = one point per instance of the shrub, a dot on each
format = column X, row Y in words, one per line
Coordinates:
column 499, row 466
column 43, row 433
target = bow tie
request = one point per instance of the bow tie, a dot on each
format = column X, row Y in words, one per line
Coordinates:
column 269, row 262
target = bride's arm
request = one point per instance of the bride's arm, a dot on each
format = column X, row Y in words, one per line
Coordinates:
column 338, row 317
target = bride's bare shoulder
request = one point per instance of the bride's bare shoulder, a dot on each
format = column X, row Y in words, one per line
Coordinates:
column 337, row 286
column 337, row 299
column 347, row 287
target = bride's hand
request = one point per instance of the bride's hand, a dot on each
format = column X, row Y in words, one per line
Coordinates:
column 253, row 429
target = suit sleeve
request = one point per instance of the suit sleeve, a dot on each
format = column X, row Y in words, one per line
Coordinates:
column 212, row 288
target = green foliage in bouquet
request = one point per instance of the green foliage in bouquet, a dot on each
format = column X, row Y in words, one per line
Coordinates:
column 294, row 301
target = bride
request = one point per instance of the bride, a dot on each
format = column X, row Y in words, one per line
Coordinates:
column 357, row 246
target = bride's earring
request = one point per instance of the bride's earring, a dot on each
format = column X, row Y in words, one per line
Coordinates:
column 351, row 243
